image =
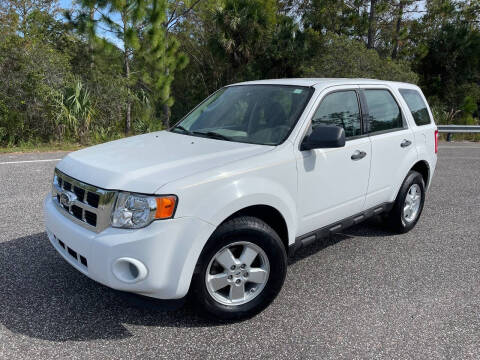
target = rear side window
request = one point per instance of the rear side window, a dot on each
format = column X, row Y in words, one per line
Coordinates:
column 417, row 106
column 340, row 109
column 383, row 111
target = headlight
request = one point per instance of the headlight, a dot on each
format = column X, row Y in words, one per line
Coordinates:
column 135, row 211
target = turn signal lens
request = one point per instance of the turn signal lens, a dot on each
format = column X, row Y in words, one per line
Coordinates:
column 165, row 207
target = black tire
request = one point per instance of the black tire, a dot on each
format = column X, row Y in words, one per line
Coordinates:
column 252, row 230
column 395, row 218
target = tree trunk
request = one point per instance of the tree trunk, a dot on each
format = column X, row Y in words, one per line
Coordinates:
column 371, row 25
column 398, row 27
column 166, row 116
column 90, row 42
column 128, row 119
column 165, row 107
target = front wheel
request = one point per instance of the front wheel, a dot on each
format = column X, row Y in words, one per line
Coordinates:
column 409, row 203
column 241, row 269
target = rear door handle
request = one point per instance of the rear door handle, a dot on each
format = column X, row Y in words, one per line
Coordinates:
column 357, row 155
column 405, row 143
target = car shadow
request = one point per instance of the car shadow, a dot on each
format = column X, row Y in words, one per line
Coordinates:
column 42, row 296
column 373, row 227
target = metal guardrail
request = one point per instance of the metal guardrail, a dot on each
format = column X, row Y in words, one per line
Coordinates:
column 456, row 129
column 451, row 129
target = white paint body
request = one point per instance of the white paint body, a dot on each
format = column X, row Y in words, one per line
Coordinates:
column 213, row 179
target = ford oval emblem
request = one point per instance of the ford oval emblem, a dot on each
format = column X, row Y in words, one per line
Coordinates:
column 67, row 198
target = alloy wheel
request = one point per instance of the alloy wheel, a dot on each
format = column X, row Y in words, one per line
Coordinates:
column 237, row 273
column 412, row 203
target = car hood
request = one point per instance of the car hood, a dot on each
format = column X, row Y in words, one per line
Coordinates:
column 145, row 163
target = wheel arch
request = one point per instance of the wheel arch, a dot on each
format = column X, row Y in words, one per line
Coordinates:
column 424, row 169
column 268, row 214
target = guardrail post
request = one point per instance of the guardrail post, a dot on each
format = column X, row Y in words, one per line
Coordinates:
column 449, row 137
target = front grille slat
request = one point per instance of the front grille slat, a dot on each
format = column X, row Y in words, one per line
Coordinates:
column 79, row 192
column 80, row 258
column 72, row 253
column 67, row 185
column 93, row 199
column 92, row 207
column 90, row 218
column 77, row 211
column 83, row 260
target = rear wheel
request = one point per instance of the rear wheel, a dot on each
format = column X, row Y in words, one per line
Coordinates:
column 241, row 269
column 409, row 203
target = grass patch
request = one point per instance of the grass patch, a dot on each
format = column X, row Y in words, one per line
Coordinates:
column 42, row 147
column 461, row 137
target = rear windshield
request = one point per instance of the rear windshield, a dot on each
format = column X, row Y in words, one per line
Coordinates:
column 417, row 106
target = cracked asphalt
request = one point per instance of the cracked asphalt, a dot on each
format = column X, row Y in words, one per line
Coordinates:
column 361, row 294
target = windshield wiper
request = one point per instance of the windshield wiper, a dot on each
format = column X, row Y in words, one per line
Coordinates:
column 209, row 134
column 213, row 135
column 180, row 127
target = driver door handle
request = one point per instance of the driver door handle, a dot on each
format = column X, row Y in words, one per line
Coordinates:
column 405, row 143
column 358, row 155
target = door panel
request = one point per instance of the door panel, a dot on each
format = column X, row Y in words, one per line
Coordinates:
column 390, row 164
column 423, row 126
column 332, row 186
column 393, row 144
column 332, row 183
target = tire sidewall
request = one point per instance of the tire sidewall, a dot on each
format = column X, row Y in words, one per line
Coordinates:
column 259, row 234
column 413, row 177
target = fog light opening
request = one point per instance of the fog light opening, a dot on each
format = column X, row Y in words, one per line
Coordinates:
column 129, row 270
column 133, row 270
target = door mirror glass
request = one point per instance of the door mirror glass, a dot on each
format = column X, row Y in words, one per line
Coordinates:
column 324, row 136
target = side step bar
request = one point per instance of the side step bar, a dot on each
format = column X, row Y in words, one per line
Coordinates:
column 329, row 230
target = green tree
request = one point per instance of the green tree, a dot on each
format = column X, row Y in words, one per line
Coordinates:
column 344, row 57
column 342, row 17
column 22, row 9
column 452, row 60
column 150, row 56
column 287, row 49
column 33, row 71
column 243, row 31
column 75, row 112
column 205, row 69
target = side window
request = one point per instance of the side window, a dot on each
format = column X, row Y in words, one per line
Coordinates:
column 383, row 111
column 417, row 106
column 340, row 109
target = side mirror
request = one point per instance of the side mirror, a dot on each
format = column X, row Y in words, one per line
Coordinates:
column 324, row 136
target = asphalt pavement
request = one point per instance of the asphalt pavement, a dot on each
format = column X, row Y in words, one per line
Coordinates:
column 362, row 294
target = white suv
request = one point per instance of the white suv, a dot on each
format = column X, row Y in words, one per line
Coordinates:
column 259, row 169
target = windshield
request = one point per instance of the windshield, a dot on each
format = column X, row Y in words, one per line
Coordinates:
column 256, row 114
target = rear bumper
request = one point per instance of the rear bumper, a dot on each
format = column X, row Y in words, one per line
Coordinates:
column 168, row 251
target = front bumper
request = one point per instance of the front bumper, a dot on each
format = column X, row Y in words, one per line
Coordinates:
column 169, row 250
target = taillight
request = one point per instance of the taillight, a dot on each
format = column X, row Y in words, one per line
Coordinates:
column 436, row 141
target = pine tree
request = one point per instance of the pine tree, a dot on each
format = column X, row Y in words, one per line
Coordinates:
column 161, row 57
column 139, row 29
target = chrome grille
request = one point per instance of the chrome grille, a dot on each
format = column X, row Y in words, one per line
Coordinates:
column 84, row 204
